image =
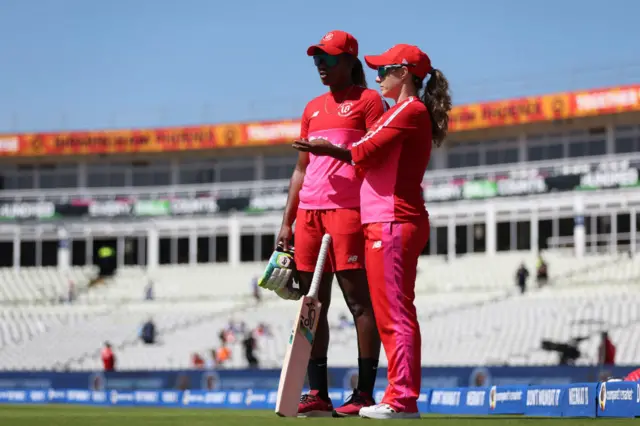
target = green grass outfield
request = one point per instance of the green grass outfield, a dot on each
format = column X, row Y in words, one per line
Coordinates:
column 28, row 415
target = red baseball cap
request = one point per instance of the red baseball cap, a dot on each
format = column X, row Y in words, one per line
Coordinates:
column 336, row 42
column 403, row 54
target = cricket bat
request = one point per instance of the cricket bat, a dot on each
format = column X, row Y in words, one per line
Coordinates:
column 294, row 368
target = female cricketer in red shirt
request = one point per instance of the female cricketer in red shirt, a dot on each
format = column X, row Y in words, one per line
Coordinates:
column 324, row 197
column 393, row 157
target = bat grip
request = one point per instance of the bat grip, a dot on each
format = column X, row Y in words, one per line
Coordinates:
column 317, row 273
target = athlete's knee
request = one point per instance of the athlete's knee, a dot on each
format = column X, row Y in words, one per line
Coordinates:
column 356, row 293
column 357, row 310
column 359, row 304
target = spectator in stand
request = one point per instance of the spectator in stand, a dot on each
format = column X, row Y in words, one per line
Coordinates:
column 211, row 381
column 226, row 336
column 263, row 330
column 71, row 293
column 97, row 382
column 522, row 274
column 255, row 288
column 197, row 361
column 542, row 274
column 480, row 379
column 223, row 355
column 148, row 332
column 249, row 344
column 182, row 382
column 108, row 358
column 607, row 351
column 148, row 291
column 106, row 261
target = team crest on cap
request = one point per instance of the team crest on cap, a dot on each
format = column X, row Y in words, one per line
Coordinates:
column 327, row 37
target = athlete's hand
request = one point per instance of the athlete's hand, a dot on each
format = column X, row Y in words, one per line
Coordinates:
column 284, row 237
column 316, row 146
column 280, row 275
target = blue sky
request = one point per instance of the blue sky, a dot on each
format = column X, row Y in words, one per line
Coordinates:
column 88, row 64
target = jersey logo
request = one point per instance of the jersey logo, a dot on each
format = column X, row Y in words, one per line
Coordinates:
column 345, row 109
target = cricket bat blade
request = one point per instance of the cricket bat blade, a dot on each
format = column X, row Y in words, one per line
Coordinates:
column 294, row 368
column 303, row 331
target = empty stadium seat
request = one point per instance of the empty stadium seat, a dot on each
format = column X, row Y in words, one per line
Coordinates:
column 43, row 284
column 469, row 309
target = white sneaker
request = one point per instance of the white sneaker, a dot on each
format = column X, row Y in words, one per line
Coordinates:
column 385, row 412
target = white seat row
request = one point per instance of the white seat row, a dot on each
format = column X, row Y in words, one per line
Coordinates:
column 469, row 310
column 59, row 345
column 473, row 272
column 458, row 330
column 45, row 284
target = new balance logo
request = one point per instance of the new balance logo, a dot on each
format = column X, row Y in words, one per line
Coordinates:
column 352, row 259
column 377, row 245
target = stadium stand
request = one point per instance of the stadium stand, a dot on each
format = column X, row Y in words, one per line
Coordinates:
column 469, row 307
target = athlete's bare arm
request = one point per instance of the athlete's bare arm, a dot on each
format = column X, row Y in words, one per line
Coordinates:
column 291, row 208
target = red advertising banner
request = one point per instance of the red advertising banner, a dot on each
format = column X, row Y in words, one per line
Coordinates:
column 545, row 108
column 478, row 116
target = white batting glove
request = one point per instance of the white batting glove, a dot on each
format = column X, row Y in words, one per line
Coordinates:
column 279, row 276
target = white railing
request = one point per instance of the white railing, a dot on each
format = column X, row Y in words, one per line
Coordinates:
column 525, row 169
column 252, row 188
column 620, row 242
column 222, row 190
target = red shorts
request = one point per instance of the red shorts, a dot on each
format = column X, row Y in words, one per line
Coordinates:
column 347, row 239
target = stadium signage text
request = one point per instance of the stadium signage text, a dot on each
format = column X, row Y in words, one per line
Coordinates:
column 515, row 110
column 582, row 177
column 476, row 116
column 579, row 177
column 579, row 395
column 607, row 99
column 39, row 210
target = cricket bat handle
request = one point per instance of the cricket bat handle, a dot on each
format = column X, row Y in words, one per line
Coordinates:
column 317, row 273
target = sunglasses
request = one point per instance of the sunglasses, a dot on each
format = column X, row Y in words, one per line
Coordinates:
column 383, row 71
column 328, row 60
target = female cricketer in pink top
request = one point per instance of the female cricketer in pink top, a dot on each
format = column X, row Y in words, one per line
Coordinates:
column 324, row 197
column 393, row 157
